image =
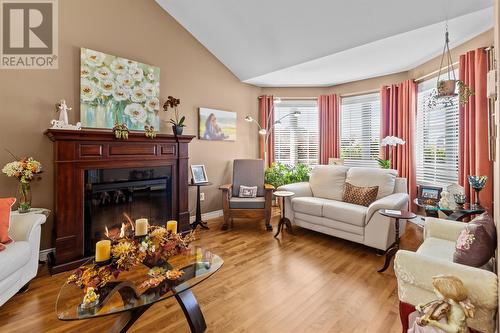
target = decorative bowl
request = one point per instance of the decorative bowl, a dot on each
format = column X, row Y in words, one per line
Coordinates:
column 460, row 198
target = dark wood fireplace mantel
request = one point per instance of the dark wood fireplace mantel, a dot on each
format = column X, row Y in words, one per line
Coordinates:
column 77, row 151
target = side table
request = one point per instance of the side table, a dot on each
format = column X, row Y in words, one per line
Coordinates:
column 283, row 219
column 396, row 215
column 198, row 221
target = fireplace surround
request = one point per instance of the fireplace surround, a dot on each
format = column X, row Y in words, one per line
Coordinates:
column 134, row 170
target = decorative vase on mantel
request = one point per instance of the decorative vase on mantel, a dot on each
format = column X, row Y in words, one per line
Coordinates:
column 24, row 197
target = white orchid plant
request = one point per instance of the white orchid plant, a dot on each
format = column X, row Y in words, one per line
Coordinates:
column 391, row 142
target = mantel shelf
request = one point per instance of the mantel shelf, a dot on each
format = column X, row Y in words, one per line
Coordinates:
column 107, row 135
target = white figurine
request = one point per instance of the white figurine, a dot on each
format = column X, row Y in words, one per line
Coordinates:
column 445, row 201
column 63, row 123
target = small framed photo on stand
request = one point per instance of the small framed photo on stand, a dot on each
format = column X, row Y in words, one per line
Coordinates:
column 199, row 174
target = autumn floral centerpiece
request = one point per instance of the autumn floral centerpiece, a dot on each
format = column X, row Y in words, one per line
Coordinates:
column 152, row 250
column 25, row 170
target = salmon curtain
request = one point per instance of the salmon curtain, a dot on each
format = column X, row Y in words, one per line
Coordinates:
column 266, row 120
column 398, row 118
column 329, row 120
column 474, row 145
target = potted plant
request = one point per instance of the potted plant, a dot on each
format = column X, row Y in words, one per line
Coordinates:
column 447, row 88
column 177, row 123
column 392, row 142
column 25, row 170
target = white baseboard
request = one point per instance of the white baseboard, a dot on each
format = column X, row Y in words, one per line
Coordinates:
column 44, row 253
column 208, row 215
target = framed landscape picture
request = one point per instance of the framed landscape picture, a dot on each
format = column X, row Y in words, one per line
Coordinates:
column 217, row 125
column 118, row 90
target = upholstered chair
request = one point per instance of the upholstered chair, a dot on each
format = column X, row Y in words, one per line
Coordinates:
column 248, row 172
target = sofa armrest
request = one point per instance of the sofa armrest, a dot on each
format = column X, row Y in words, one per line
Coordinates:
column 300, row 189
column 416, row 271
column 22, row 225
column 396, row 201
column 443, row 229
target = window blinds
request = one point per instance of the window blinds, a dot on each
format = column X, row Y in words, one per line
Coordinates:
column 360, row 130
column 437, row 137
column 296, row 137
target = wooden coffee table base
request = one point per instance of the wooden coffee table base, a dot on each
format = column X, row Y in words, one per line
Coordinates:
column 189, row 306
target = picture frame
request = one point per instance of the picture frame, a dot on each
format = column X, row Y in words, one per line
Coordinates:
column 216, row 125
column 428, row 194
column 199, row 174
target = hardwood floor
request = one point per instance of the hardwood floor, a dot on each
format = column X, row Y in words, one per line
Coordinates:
column 309, row 282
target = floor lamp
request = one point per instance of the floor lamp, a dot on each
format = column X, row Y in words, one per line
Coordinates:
column 267, row 132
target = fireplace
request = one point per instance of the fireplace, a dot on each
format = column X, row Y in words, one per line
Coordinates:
column 103, row 182
column 117, row 197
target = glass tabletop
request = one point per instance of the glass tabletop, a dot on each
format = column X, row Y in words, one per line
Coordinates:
column 197, row 264
column 466, row 207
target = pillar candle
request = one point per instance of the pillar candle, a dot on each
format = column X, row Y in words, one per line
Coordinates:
column 141, row 227
column 102, row 250
column 172, row 226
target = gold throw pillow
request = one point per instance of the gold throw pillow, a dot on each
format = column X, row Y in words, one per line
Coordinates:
column 362, row 196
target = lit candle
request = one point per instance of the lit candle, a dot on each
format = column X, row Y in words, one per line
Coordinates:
column 141, row 227
column 172, row 226
column 102, row 250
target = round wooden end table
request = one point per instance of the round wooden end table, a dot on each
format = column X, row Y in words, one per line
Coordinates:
column 198, row 221
column 396, row 215
column 283, row 219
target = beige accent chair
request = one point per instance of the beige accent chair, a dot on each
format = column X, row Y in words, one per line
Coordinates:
column 414, row 272
column 318, row 205
column 19, row 260
column 248, row 172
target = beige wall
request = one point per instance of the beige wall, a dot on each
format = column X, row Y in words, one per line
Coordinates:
column 138, row 30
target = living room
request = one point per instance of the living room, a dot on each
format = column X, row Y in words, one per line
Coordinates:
column 223, row 166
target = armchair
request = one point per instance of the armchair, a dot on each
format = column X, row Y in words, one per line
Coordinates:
column 414, row 272
column 248, row 173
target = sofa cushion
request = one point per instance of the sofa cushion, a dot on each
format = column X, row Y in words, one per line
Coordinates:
column 345, row 212
column 329, row 223
column 327, row 181
column 15, row 256
column 363, row 196
column 385, row 179
column 437, row 248
column 247, row 203
column 5, row 206
column 309, row 205
column 476, row 244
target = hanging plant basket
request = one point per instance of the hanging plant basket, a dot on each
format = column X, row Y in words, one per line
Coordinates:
column 446, row 88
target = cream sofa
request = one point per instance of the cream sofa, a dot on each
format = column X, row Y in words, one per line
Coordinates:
column 318, row 205
column 414, row 272
column 19, row 261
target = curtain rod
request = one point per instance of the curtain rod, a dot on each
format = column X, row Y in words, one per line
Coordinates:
column 431, row 74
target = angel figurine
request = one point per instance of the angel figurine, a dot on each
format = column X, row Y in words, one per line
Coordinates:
column 450, row 312
column 63, row 123
column 63, row 111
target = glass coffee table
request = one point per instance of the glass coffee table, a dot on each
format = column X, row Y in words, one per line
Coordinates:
column 455, row 214
column 127, row 296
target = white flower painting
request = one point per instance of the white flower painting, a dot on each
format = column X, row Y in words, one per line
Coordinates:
column 118, row 90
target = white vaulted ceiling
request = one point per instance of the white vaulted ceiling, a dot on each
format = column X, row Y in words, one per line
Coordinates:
column 326, row 42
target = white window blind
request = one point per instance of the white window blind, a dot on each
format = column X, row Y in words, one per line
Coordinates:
column 437, row 136
column 360, row 130
column 296, row 137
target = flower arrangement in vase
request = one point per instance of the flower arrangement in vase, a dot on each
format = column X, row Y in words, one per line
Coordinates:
column 25, row 170
column 392, row 142
column 177, row 122
column 152, row 250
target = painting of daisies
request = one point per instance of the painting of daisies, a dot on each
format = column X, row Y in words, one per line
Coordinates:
column 116, row 90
